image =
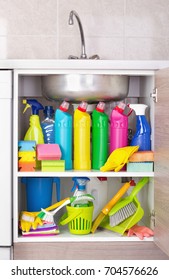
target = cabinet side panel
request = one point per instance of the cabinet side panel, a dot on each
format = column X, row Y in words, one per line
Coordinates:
column 162, row 161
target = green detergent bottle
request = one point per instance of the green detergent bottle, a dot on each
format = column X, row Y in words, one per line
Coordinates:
column 34, row 131
column 99, row 136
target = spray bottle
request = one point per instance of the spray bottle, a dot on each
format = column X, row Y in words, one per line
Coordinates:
column 82, row 122
column 119, row 127
column 99, row 136
column 35, row 131
column 142, row 136
column 48, row 125
column 79, row 189
column 63, row 133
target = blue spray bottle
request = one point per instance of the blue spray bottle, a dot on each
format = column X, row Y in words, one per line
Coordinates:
column 34, row 131
column 142, row 136
column 63, row 133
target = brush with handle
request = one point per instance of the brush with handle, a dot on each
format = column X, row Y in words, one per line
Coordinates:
column 49, row 216
column 33, row 219
column 106, row 209
column 126, row 207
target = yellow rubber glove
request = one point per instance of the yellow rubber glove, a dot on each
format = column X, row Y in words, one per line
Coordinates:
column 27, row 221
column 118, row 158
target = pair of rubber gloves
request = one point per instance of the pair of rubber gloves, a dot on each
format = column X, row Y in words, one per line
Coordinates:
column 118, row 158
column 140, row 232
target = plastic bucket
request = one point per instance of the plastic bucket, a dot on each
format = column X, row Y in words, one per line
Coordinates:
column 79, row 219
column 39, row 192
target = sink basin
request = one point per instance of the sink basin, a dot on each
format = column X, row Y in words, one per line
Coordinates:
column 85, row 87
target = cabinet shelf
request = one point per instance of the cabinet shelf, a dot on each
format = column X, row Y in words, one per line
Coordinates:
column 99, row 236
column 92, row 173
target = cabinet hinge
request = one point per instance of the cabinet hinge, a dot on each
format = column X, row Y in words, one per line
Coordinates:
column 152, row 217
column 154, row 95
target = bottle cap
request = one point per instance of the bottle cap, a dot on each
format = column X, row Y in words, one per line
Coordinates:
column 100, row 106
column 64, row 106
column 83, row 106
column 102, row 178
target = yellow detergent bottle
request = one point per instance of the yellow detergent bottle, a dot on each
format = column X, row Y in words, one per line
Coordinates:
column 82, row 123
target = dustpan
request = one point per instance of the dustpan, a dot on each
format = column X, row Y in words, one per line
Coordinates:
column 128, row 223
column 132, row 220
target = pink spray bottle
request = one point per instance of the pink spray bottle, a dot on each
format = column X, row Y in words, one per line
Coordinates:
column 119, row 126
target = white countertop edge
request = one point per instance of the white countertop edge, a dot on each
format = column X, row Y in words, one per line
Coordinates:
column 83, row 64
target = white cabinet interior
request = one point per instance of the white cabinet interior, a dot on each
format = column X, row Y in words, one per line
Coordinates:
column 27, row 84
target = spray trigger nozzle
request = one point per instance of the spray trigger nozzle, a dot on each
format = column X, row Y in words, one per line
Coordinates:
column 26, row 107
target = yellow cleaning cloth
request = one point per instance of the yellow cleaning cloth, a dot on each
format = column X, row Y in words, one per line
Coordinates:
column 118, row 158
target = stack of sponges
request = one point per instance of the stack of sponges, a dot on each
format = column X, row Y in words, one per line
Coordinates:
column 50, row 156
column 141, row 161
column 26, row 155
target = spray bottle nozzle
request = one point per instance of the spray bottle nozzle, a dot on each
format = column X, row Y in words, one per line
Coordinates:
column 79, row 182
column 36, row 106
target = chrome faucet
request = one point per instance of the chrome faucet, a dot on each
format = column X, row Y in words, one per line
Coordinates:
column 83, row 48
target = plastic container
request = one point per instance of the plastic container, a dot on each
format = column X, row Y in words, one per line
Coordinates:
column 98, row 188
column 79, row 189
column 63, row 133
column 34, row 131
column 39, row 192
column 48, row 125
column 142, row 136
column 82, row 123
column 79, row 220
column 118, row 128
column 99, row 136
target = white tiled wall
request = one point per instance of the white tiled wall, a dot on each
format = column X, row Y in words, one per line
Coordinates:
column 114, row 29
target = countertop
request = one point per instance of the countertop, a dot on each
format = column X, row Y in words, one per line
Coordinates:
column 83, row 64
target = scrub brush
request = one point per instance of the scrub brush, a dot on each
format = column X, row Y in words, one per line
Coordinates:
column 106, row 209
column 126, row 207
column 48, row 216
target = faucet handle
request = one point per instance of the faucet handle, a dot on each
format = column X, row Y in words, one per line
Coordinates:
column 95, row 56
column 73, row 57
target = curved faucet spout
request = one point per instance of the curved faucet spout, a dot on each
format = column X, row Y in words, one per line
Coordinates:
column 71, row 22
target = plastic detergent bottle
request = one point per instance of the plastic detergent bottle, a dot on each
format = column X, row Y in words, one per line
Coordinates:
column 35, row 131
column 79, row 189
column 48, row 125
column 63, row 133
column 142, row 136
column 118, row 128
column 99, row 136
column 82, row 122
column 98, row 188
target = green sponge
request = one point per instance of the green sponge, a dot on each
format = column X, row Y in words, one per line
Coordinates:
column 140, row 166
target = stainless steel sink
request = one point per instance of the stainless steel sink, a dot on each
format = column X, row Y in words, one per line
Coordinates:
column 85, row 87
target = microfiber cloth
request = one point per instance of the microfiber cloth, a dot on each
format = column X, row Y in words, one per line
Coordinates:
column 48, row 152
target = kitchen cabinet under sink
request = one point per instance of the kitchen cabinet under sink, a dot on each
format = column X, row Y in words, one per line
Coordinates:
column 103, row 244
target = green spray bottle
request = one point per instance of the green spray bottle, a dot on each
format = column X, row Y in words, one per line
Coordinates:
column 99, row 136
column 34, row 131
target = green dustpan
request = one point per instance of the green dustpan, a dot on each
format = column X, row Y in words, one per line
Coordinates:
column 132, row 220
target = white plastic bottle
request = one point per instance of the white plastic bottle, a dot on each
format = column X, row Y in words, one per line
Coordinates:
column 98, row 188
